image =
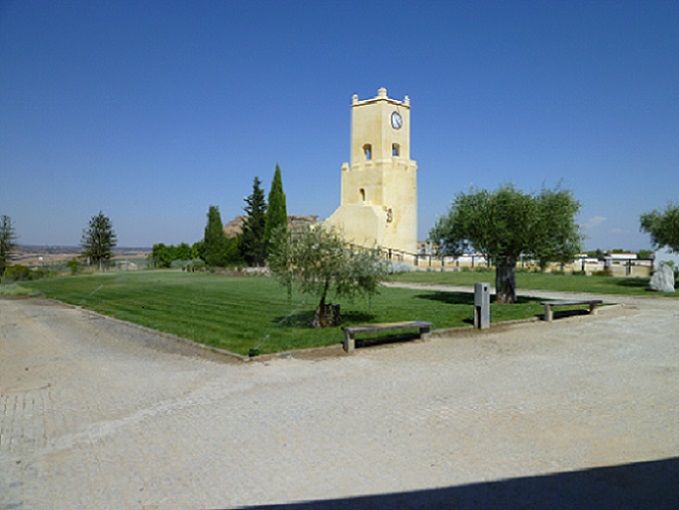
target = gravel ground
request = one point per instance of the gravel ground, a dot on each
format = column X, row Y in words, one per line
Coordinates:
column 95, row 413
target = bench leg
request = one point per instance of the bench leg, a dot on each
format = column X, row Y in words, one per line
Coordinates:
column 349, row 343
column 424, row 332
column 592, row 309
column 549, row 314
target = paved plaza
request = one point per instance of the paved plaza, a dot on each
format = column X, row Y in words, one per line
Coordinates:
column 583, row 412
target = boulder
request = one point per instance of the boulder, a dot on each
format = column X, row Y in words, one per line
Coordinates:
column 663, row 279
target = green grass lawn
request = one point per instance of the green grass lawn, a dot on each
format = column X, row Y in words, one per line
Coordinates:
column 540, row 281
column 243, row 313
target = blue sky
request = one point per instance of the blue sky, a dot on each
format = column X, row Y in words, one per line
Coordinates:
column 152, row 111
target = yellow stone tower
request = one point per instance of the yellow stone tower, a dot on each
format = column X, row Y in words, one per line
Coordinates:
column 378, row 204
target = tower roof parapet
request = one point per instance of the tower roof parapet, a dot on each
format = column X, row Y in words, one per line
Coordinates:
column 381, row 96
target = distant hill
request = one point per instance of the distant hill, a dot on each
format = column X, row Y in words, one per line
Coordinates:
column 234, row 228
column 44, row 248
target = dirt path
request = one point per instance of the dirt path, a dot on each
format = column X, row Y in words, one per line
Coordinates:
column 99, row 414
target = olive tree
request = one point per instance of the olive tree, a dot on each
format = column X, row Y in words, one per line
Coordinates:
column 506, row 224
column 318, row 262
column 663, row 227
column 556, row 237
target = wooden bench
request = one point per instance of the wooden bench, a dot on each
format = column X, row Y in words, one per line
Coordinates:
column 549, row 305
column 350, row 331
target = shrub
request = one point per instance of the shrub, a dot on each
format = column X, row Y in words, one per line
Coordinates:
column 195, row 265
column 179, row 264
column 74, row 265
column 16, row 273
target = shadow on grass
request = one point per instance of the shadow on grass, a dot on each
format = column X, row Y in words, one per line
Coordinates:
column 637, row 283
column 304, row 318
column 450, row 298
column 653, row 484
column 467, row 298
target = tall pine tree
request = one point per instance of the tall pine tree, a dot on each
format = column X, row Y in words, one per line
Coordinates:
column 7, row 244
column 252, row 241
column 98, row 240
column 276, row 213
column 214, row 242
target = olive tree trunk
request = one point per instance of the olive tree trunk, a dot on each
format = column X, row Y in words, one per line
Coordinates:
column 327, row 314
column 505, row 280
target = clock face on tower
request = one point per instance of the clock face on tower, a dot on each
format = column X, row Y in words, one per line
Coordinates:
column 396, row 120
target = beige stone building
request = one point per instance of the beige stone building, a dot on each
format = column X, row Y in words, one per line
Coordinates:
column 378, row 203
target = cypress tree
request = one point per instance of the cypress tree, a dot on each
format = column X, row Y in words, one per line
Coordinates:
column 276, row 213
column 214, row 242
column 252, row 242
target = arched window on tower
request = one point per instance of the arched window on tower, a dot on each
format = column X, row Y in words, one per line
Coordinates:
column 368, row 151
column 395, row 149
column 362, row 192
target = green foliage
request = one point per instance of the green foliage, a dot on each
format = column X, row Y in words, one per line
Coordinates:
column 198, row 250
column 663, row 227
column 20, row 273
column 318, row 261
column 7, row 242
column 194, row 265
column 645, row 254
column 98, row 240
column 182, row 252
column 506, row 224
column 556, row 236
column 277, row 212
column 16, row 273
column 233, row 255
column 74, row 265
column 162, row 255
column 598, row 254
column 215, row 244
column 252, row 242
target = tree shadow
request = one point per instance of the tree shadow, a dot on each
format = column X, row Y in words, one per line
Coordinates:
column 303, row 319
column 467, row 298
column 653, row 484
column 450, row 298
column 353, row 316
column 637, row 283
